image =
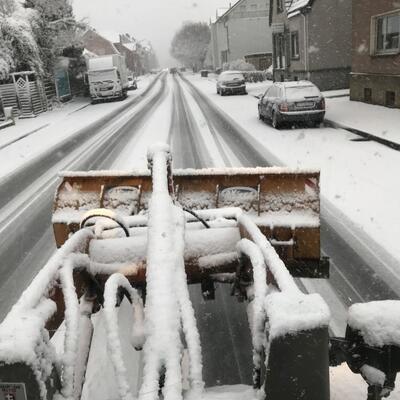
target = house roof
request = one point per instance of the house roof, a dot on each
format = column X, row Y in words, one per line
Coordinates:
column 97, row 44
column 229, row 10
column 293, row 6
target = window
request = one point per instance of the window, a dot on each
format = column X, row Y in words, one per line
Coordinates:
column 294, row 45
column 368, row 95
column 390, row 99
column 279, row 6
column 387, row 34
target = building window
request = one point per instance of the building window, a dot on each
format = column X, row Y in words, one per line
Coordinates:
column 368, row 95
column 387, row 37
column 390, row 99
column 279, row 52
column 294, row 45
column 279, row 6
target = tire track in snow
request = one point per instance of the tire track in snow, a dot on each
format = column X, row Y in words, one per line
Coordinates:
column 188, row 147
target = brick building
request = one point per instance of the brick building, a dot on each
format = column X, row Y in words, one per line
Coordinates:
column 375, row 76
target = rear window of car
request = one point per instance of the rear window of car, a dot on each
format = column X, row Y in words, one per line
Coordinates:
column 302, row 91
column 232, row 77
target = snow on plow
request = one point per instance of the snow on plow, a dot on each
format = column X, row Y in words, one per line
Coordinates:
column 145, row 236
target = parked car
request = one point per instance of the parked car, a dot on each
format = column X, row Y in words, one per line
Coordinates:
column 232, row 82
column 298, row 101
column 173, row 70
column 132, row 83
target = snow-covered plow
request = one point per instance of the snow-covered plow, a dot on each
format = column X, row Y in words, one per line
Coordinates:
column 144, row 236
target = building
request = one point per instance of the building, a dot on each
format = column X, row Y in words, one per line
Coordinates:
column 128, row 47
column 312, row 40
column 97, row 45
column 242, row 32
column 375, row 76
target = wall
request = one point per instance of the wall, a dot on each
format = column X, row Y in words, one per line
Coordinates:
column 362, row 60
column 330, row 31
column 242, row 31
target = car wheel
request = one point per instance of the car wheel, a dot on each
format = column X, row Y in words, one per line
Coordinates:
column 222, row 92
column 274, row 120
column 260, row 116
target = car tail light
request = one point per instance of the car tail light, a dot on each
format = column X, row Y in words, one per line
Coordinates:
column 283, row 107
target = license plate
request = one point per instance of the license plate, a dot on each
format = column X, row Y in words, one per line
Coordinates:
column 304, row 104
column 12, row 391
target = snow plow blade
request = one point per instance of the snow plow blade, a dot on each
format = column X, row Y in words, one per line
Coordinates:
column 283, row 203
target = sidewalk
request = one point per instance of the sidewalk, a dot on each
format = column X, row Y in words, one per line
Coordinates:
column 378, row 121
column 31, row 137
column 24, row 127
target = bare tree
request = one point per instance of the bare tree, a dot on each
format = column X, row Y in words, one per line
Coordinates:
column 190, row 44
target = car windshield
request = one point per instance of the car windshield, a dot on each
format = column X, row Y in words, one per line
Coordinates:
column 296, row 92
column 199, row 199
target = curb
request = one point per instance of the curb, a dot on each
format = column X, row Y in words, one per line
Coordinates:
column 366, row 135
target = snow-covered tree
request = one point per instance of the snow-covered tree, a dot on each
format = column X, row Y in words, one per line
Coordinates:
column 190, row 44
column 18, row 44
column 57, row 29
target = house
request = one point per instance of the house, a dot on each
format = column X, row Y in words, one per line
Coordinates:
column 375, row 76
column 242, row 32
column 97, row 44
column 312, row 40
column 128, row 47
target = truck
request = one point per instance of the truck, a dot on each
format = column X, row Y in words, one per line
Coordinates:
column 108, row 78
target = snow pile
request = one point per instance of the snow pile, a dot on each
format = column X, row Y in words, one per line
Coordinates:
column 24, row 339
column 291, row 313
column 372, row 375
column 378, row 322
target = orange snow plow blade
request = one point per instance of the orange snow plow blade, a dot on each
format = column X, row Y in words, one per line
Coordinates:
column 283, row 203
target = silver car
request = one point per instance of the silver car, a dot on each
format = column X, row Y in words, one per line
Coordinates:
column 231, row 82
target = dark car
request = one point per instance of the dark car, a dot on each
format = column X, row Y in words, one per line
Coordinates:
column 298, row 101
column 132, row 83
column 232, row 82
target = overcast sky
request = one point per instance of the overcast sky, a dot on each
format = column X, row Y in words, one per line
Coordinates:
column 156, row 20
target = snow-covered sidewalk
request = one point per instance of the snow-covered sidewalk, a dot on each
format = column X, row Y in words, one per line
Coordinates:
column 32, row 137
column 378, row 121
column 28, row 126
column 56, row 118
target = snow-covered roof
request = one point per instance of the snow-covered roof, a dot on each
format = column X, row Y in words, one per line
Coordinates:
column 293, row 6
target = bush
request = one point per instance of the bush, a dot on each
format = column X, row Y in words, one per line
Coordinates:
column 238, row 65
column 255, row 76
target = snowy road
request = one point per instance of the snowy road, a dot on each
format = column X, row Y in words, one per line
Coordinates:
column 200, row 135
